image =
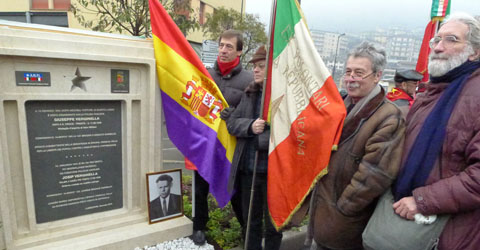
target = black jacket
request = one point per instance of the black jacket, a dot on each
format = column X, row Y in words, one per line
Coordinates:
column 239, row 124
column 233, row 84
column 174, row 207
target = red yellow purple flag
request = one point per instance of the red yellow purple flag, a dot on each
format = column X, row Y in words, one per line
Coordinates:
column 191, row 104
column 306, row 113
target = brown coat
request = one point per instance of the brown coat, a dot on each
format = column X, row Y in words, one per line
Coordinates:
column 453, row 186
column 365, row 165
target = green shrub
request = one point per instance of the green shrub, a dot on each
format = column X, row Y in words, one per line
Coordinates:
column 222, row 227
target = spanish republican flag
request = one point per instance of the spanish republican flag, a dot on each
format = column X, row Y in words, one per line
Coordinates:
column 191, row 104
column 306, row 113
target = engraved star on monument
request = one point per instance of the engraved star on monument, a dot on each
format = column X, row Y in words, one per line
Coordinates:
column 79, row 81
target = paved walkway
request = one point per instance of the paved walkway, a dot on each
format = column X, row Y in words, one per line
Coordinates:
column 292, row 239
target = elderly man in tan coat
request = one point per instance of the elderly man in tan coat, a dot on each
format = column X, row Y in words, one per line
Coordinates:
column 367, row 159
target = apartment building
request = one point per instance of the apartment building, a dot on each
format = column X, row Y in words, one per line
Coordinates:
column 57, row 13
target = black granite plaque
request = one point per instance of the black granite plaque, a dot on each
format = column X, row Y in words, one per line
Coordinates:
column 76, row 157
column 120, row 81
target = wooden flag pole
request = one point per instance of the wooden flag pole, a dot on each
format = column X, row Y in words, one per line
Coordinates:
column 268, row 62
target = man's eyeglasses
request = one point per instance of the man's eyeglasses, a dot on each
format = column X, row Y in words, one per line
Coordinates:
column 448, row 41
column 259, row 65
column 356, row 76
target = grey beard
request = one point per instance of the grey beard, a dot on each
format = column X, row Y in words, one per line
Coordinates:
column 437, row 66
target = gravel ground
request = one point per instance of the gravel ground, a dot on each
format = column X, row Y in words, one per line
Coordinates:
column 177, row 244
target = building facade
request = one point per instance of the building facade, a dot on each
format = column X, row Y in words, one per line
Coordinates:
column 57, row 13
column 332, row 48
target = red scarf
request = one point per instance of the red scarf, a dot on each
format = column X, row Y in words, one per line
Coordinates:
column 399, row 94
column 226, row 67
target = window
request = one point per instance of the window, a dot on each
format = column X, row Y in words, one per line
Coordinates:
column 56, row 4
column 39, row 4
column 61, row 4
column 202, row 13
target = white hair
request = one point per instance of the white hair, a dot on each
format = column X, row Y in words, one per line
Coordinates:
column 473, row 33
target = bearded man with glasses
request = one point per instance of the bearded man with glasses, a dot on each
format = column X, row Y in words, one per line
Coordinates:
column 367, row 159
column 440, row 171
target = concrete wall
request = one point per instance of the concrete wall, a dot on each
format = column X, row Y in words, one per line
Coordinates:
column 196, row 37
column 59, row 51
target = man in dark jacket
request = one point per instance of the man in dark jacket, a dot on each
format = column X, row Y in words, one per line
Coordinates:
column 232, row 80
column 166, row 203
column 441, row 156
column 253, row 135
column 367, row 159
column 405, row 86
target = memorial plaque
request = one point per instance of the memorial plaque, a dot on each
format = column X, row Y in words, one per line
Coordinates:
column 76, row 157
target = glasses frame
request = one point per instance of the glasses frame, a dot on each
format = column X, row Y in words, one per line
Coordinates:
column 260, row 66
column 448, row 41
column 357, row 78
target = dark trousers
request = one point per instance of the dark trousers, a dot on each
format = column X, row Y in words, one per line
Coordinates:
column 201, row 204
column 259, row 215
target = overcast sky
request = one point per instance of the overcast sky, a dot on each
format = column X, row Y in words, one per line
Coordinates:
column 357, row 15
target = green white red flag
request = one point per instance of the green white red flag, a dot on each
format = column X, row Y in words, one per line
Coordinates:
column 440, row 9
column 306, row 113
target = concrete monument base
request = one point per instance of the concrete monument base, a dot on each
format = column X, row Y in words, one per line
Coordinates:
column 126, row 237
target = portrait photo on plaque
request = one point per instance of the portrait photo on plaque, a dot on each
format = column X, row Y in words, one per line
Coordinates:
column 164, row 193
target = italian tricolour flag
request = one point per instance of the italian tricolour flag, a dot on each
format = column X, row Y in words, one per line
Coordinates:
column 440, row 9
column 305, row 110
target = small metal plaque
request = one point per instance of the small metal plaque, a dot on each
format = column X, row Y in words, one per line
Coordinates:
column 120, row 81
column 31, row 78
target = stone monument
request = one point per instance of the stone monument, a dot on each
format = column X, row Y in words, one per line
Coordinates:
column 80, row 117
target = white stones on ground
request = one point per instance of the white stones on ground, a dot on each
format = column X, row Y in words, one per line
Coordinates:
column 177, row 244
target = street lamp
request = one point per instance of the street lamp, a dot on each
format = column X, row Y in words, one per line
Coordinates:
column 335, row 59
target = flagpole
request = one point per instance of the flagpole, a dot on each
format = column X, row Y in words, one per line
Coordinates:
column 269, row 47
column 269, row 70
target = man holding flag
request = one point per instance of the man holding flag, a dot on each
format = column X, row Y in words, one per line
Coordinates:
column 367, row 159
column 253, row 135
column 192, row 103
column 232, row 80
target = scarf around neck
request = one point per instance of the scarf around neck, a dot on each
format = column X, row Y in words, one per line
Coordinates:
column 428, row 144
column 399, row 94
column 227, row 67
column 361, row 103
